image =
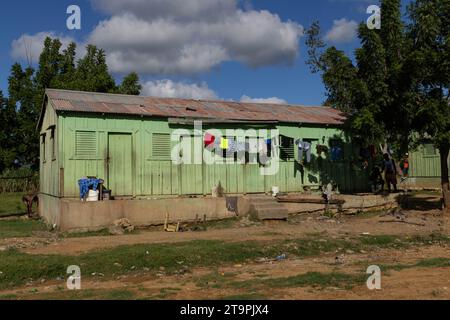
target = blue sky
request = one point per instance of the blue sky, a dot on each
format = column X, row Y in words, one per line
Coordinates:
column 233, row 67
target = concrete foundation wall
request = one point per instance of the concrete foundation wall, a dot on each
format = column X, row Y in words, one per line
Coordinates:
column 353, row 203
column 72, row 214
column 50, row 208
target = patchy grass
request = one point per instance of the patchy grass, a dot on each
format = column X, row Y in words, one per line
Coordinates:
column 99, row 233
column 84, row 294
column 214, row 280
column 317, row 279
column 309, row 279
column 19, row 228
column 382, row 241
column 245, row 297
column 11, row 203
column 165, row 293
column 120, row 294
column 18, row 268
column 425, row 263
column 221, row 224
column 8, row 297
column 434, row 263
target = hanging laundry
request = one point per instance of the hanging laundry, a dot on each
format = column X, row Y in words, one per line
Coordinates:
column 232, row 146
column 209, row 139
column 253, row 145
column 336, row 153
column 262, row 147
column 224, row 143
column 269, row 147
column 242, row 146
column 304, row 146
column 307, row 148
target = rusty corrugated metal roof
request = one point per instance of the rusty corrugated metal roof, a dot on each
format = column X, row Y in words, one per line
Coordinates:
column 76, row 101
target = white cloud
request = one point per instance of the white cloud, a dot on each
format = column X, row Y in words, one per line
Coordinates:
column 343, row 31
column 179, row 37
column 30, row 46
column 179, row 9
column 171, row 89
column 273, row 100
column 186, row 37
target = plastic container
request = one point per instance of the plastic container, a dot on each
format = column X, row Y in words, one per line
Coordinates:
column 275, row 191
column 106, row 195
column 92, row 196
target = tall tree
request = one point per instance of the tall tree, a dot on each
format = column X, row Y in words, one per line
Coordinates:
column 67, row 68
column 92, row 72
column 7, row 138
column 430, row 38
column 130, row 85
column 22, row 96
column 50, row 61
column 398, row 90
column 56, row 69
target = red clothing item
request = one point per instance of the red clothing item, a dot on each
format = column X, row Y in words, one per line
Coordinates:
column 209, row 139
column 405, row 164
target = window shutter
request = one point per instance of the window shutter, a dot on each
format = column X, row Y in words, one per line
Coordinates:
column 161, row 145
column 85, row 143
column 287, row 148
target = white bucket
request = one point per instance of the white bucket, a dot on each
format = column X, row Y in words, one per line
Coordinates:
column 275, row 191
column 92, row 196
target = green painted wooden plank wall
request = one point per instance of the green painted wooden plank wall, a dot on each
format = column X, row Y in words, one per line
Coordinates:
column 153, row 174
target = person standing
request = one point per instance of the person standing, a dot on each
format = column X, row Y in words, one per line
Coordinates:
column 405, row 167
column 376, row 180
column 390, row 172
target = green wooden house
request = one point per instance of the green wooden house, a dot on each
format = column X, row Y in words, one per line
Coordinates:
column 127, row 141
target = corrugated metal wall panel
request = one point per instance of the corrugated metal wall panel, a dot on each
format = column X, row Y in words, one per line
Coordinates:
column 156, row 176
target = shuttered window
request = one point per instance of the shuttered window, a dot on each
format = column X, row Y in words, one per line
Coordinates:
column 286, row 148
column 85, row 143
column 52, row 141
column 43, row 151
column 161, row 145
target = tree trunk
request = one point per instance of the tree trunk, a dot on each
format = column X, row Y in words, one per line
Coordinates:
column 444, row 178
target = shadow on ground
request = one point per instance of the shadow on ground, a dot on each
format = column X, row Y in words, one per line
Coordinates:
column 420, row 202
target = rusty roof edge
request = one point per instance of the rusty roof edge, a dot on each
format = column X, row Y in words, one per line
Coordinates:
column 183, row 99
column 43, row 109
column 306, row 114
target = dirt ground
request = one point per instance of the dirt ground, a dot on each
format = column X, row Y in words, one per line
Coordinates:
column 412, row 282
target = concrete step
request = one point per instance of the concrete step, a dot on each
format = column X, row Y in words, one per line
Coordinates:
column 263, row 200
column 268, row 208
column 271, row 214
column 274, row 206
